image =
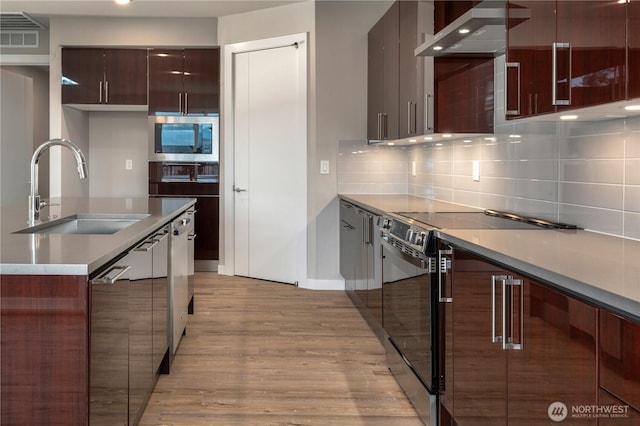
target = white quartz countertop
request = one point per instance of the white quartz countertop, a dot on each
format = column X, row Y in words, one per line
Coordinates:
column 600, row 269
column 78, row 254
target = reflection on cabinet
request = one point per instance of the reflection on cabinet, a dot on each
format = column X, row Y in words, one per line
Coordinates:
column 513, row 347
column 619, row 413
column 184, row 81
column 360, row 258
column 445, row 12
column 463, row 94
column 564, row 55
column 620, row 358
column 104, row 76
column 633, row 49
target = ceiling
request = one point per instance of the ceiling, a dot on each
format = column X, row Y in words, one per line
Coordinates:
column 42, row 9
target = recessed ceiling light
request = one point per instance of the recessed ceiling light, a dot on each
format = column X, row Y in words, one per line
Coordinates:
column 428, row 138
column 568, row 117
column 463, row 31
column 438, row 144
column 437, row 47
column 514, row 136
column 632, row 108
column 447, row 135
column 390, row 143
column 412, row 140
column 467, row 141
column 123, row 1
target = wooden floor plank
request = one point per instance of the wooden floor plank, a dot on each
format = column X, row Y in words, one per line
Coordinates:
column 263, row 353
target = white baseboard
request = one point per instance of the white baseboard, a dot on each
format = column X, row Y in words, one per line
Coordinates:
column 312, row 284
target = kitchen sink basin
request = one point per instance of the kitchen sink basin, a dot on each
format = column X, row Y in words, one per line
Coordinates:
column 86, row 224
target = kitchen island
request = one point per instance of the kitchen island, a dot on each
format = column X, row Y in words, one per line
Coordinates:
column 47, row 330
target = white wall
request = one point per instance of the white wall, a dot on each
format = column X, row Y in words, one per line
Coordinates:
column 38, row 118
column 16, row 136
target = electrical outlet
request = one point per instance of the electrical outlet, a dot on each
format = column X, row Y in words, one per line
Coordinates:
column 476, row 170
column 128, row 164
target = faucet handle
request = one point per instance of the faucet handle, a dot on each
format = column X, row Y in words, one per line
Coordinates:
column 45, row 204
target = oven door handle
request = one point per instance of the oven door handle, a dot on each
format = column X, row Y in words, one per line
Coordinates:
column 426, row 263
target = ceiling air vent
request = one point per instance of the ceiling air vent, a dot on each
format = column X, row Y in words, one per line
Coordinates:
column 11, row 21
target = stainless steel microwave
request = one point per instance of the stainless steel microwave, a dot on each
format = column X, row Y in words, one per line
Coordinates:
column 183, row 138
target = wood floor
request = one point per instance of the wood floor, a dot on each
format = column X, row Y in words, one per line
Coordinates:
column 262, row 353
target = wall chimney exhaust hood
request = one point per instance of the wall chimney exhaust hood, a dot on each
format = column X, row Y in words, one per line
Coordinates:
column 480, row 31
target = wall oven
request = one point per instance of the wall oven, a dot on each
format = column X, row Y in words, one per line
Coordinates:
column 184, row 138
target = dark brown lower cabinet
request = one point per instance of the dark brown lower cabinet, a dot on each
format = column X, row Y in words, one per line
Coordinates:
column 620, row 360
column 513, row 347
column 615, row 412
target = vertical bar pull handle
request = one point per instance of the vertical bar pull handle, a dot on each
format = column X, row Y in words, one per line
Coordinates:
column 512, row 70
column 444, row 264
column 508, row 315
column 379, row 125
column 180, row 102
column 494, row 282
column 106, row 92
column 428, row 127
column 100, row 91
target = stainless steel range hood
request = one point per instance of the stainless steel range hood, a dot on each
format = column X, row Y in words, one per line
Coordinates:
column 480, row 31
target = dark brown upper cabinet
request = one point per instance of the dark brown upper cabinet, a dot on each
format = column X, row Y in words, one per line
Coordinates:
column 184, row 81
column 104, row 76
column 464, row 94
column 564, row 55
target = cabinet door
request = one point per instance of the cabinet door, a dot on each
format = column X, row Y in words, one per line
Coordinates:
column 633, row 49
column 476, row 376
column 207, row 229
column 83, row 75
column 125, row 76
column 166, row 68
column 464, row 94
column 391, row 68
column 410, row 108
column 596, row 34
column 557, row 358
column 530, row 37
column 201, row 81
column 620, row 358
column 375, row 81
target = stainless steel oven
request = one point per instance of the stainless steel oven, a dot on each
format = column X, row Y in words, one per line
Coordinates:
column 184, row 138
column 409, row 311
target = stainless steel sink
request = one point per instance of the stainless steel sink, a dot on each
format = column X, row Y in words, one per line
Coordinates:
column 86, row 224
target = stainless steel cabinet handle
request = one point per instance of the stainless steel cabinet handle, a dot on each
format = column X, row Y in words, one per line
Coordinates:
column 507, row 67
column 554, row 74
column 494, row 281
column 379, row 125
column 180, row 102
column 508, row 314
column 147, row 245
column 112, row 275
column 186, row 103
column 106, row 92
column 409, row 132
column 443, row 265
column 185, row 221
column 100, row 91
column 192, row 237
column 427, row 123
column 236, row 189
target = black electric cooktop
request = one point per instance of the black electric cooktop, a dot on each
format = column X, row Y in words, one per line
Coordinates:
column 489, row 219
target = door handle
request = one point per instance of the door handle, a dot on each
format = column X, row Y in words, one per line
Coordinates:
column 236, row 189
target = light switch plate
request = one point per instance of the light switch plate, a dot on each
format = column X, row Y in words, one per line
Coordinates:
column 128, row 164
column 324, row 167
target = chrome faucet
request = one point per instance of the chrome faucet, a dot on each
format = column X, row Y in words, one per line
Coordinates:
column 34, row 197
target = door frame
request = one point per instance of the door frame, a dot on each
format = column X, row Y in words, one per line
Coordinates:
column 226, row 264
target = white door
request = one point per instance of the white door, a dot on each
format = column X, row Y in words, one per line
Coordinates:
column 270, row 179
